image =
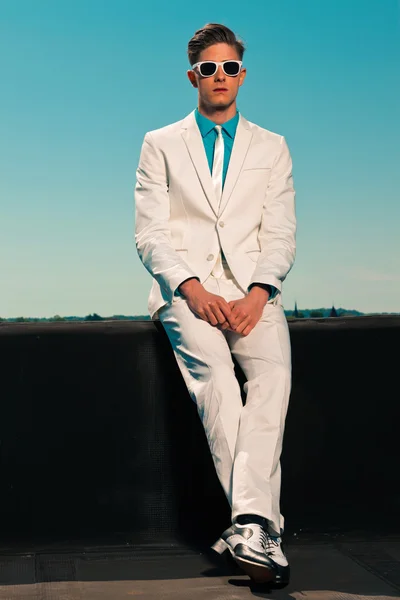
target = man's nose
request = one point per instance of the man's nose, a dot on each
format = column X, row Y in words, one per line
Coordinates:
column 220, row 75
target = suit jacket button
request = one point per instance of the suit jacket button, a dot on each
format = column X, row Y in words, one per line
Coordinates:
column 210, row 256
column 221, row 224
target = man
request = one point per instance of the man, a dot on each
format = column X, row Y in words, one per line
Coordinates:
column 215, row 227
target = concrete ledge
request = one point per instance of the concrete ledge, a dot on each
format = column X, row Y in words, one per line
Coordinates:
column 98, row 434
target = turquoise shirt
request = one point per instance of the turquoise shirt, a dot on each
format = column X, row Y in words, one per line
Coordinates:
column 209, row 135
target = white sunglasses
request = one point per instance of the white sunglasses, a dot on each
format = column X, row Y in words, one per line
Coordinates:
column 208, row 68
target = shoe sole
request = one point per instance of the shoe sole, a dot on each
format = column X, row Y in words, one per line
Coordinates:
column 258, row 573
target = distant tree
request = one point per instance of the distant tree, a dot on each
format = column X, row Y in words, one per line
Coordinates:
column 300, row 315
column 315, row 314
column 333, row 312
column 21, row 320
column 348, row 313
column 56, row 318
column 1, row 319
column 93, row 317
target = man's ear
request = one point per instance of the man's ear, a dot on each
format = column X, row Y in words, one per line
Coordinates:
column 192, row 78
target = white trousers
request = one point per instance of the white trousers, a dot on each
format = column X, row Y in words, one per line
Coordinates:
column 245, row 441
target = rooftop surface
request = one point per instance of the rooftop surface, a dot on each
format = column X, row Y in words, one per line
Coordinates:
column 351, row 566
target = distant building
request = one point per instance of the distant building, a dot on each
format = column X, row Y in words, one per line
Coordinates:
column 333, row 312
column 296, row 312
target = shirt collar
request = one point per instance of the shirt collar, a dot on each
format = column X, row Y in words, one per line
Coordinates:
column 206, row 125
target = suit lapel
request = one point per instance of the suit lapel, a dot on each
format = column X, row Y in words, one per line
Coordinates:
column 240, row 147
column 194, row 143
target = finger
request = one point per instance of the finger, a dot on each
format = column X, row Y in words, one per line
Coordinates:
column 203, row 313
column 247, row 330
column 236, row 317
column 239, row 316
column 243, row 324
column 218, row 312
column 210, row 317
column 228, row 316
column 224, row 307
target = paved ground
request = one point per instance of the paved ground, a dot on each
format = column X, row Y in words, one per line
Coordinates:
column 331, row 567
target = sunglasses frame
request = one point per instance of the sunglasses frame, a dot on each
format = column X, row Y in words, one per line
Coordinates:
column 214, row 62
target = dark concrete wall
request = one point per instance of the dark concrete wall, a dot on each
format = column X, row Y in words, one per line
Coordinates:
column 98, row 434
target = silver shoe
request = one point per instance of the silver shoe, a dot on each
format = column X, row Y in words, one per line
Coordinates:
column 251, row 546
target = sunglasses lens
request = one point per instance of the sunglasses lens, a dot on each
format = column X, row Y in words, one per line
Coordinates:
column 207, row 69
column 231, row 68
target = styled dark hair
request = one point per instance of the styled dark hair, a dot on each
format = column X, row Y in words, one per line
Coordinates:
column 210, row 34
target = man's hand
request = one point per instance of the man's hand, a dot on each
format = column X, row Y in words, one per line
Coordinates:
column 247, row 311
column 210, row 307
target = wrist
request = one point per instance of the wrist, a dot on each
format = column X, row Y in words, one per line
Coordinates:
column 260, row 291
column 188, row 286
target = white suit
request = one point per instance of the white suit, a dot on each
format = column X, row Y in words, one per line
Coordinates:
column 180, row 231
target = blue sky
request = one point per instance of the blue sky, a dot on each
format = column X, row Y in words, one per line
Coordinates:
column 82, row 82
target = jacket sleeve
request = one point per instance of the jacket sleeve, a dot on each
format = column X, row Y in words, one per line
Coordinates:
column 152, row 212
column 277, row 235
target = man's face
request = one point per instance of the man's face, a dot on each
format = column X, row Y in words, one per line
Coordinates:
column 209, row 95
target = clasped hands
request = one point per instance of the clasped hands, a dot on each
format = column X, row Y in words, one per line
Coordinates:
column 239, row 316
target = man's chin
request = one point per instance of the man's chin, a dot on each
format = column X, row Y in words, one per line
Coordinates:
column 220, row 103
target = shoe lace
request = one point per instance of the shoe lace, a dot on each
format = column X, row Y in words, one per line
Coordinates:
column 268, row 542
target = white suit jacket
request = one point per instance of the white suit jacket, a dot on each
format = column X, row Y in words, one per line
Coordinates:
column 179, row 229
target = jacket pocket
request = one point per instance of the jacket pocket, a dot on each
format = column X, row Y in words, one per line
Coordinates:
column 253, row 254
